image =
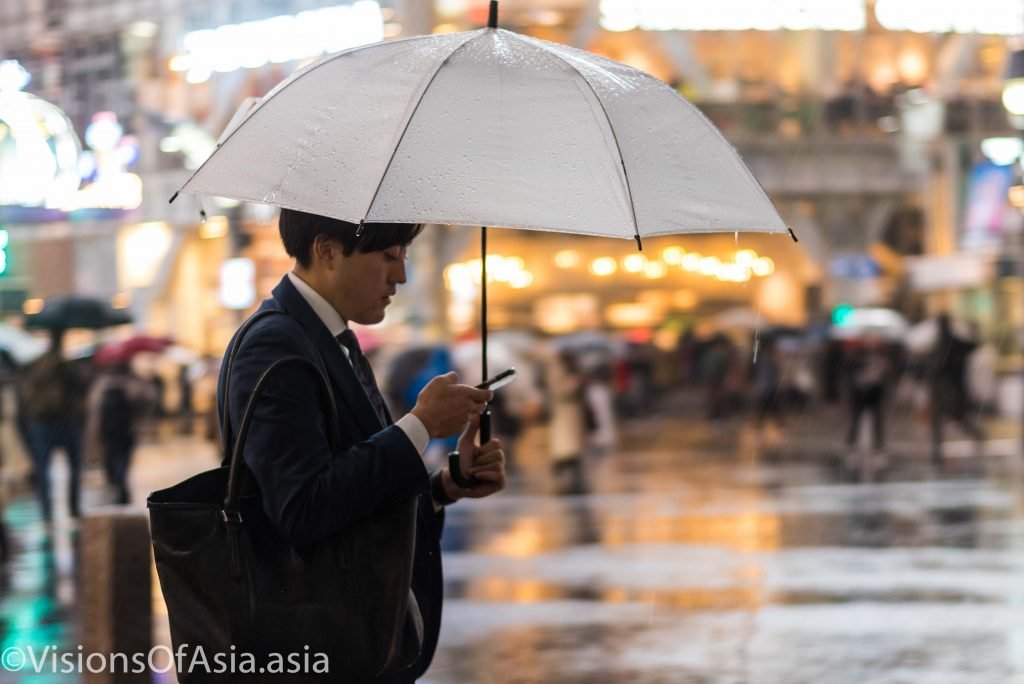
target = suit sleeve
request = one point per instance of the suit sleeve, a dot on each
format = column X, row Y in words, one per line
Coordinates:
column 308, row 491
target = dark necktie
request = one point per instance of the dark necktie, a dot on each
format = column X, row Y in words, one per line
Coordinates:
column 364, row 372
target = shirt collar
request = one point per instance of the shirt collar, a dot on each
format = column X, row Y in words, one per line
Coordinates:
column 321, row 307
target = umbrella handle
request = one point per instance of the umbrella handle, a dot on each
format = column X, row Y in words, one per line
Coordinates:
column 453, row 456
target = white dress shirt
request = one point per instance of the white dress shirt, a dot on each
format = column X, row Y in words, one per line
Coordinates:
column 409, row 424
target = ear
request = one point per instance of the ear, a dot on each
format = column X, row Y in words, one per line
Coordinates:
column 325, row 251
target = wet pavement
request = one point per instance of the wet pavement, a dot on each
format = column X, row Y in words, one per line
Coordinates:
column 704, row 554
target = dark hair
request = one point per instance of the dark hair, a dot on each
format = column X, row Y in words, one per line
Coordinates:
column 299, row 229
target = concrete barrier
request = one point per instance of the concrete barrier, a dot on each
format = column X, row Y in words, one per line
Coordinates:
column 115, row 587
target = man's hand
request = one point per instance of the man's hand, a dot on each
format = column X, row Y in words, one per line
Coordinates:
column 444, row 406
column 485, row 462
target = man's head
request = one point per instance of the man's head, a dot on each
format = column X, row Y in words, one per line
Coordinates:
column 357, row 274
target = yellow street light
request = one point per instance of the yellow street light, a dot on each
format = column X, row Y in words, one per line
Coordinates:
column 634, row 263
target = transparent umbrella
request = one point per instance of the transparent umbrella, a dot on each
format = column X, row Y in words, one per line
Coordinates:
column 487, row 128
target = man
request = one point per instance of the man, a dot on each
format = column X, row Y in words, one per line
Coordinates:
column 53, row 392
column 343, row 275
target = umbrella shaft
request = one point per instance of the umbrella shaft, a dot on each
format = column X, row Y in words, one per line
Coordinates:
column 483, row 302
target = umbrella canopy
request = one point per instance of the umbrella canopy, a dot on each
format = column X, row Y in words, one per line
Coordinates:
column 77, row 312
column 487, row 128
column 21, row 346
column 885, row 323
column 125, row 350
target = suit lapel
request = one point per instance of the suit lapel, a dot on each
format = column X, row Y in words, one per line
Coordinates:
column 346, row 385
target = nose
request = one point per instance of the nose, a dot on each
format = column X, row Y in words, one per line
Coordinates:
column 398, row 275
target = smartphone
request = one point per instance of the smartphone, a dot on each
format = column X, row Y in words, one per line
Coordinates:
column 498, row 381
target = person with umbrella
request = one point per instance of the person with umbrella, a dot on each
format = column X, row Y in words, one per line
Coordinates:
column 341, row 276
column 53, row 392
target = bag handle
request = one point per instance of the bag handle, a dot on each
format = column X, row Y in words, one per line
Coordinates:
column 327, row 403
column 234, row 453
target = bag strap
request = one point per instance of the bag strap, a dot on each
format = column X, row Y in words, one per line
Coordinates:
column 327, row 402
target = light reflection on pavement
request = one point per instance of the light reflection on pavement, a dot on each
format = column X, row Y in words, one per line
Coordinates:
column 692, row 559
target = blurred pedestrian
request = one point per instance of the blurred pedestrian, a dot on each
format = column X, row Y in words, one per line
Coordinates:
column 53, row 394
column 567, row 427
column 122, row 398
column 867, row 371
column 597, row 395
column 947, row 387
column 718, row 360
column 767, row 373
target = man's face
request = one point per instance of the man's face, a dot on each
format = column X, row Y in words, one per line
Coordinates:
column 362, row 283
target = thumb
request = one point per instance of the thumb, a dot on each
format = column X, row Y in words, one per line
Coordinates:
column 469, row 434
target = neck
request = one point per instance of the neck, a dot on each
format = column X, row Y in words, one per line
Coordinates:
column 319, row 285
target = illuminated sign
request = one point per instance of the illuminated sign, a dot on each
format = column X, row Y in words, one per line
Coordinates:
column 279, row 39
column 38, row 146
column 237, row 283
column 993, row 17
column 42, row 165
column 5, row 241
column 733, row 15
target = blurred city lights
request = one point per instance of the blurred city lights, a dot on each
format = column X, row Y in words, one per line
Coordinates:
column 673, row 256
column 733, row 15
column 634, row 263
column 603, row 266
column 691, row 262
column 655, row 270
column 121, row 300
column 32, row 306
column 214, row 227
column 1002, row 151
column 280, row 39
column 463, row 278
column 567, row 258
column 763, row 267
column 709, row 265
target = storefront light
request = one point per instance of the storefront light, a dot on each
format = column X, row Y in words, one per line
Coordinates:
column 710, row 265
column 634, row 263
column 673, row 256
column 1013, row 86
column 32, row 306
column 992, row 17
column 603, row 266
column 763, row 267
column 745, row 257
column 521, row 280
column 121, row 300
column 655, row 270
column 1002, row 151
column 567, row 258
column 1016, row 196
column 733, row 15
column 213, row 228
column 282, row 39
column 691, row 261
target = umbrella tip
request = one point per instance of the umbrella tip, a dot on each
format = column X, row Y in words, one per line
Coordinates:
column 492, row 15
column 173, row 197
column 359, row 230
column 639, row 245
column 792, row 234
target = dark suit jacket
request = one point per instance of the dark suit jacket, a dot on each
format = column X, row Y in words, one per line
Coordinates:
column 308, row 491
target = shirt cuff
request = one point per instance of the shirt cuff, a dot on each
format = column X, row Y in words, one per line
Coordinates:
column 415, row 431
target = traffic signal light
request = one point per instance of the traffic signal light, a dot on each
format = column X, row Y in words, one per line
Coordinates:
column 5, row 240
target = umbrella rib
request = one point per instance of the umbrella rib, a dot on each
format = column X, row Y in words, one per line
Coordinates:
column 408, row 122
column 615, row 137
